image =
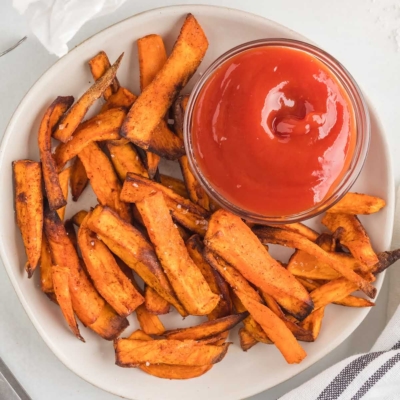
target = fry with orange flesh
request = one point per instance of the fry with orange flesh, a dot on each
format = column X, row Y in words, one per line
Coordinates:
column 130, row 245
column 357, row 203
column 70, row 230
column 313, row 322
column 75, row 115
column 132, row 352
column 300, row 228
column 121, row 98
column 353, row 236
column 125, row 158
column 295, row 240
column 149, row 322
column 50, row 174
column 275, row 328
column 151, row 106
column 104, row 180
column 189, row 284
column 99, row 65
column 104, row 126
column 106, row 275
column 174, row 184
column 354, row 301
column 29, row 209
column 78, row 179
column 60, row 276
column 64, row 178
column 46, row 279
column 183, row 211
column 154, row 303
column 252, row 260
column 78, row 218
column 246, row 340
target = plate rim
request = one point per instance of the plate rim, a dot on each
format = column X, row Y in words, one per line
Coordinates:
column 181, row 9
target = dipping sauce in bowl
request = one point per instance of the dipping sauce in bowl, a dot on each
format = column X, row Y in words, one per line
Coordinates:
column 273, row 131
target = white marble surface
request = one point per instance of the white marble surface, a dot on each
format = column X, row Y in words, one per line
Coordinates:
column 364, row 35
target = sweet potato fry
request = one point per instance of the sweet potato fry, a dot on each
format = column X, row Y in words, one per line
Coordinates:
column 29, row 209
column 75, row 115
column 70, row 230
column 99, row 65
column 275, row 328
column 132, row 352
column 252, row 260
column 354, row 301
column 313, row 322
column 295, row 240
column 246, row 340
column 129, row 244
column 125, row 159
column 206, row 329
column 79, row 217
column 64, row 178
column 300, row 228
column 60, row 276
column 46, row 279
column 78, row 180
column 154, row 303
column 151, row 106
column 104, row 180
column 149, row 322
column 353, row 236
column 217, row 284
column 386, row 259
column 104, row 126
column 174, row 184
column 106, row 275
column 179, row 113
column 50, row 174
column 357, row 203
column 183, row 211
column 189, row 284
column 121, row 98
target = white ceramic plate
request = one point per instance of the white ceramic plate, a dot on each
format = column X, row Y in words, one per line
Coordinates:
column 240, row 374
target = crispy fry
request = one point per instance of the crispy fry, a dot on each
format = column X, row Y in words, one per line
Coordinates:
column 327, row 241
column 64, row 178
column 46, row 279
column 386, row 259
column 103, row 180
column 252, row 260
column 174, row 184
column 125, row 159
column 99, row 65
column 129, row 244
column 206, row 329
column 29, row 209
column 70, row 230
column 106, row 275
column 60, row 277
column 179, row 113
column 154, row 303
column 151, row 106
column 50, row 175
column 292, row 239
column 313, row 322
column 353, row 236
column 79, row 217
column 149, row 322
column 217, row 284
column 357, row 203
column 152, row 161
column 104, row 126
column 246, row 340
column 121, row 98
column 73, row 118
column 300, row 228
column 354, row 301
column 78, row 180
column 189, row 284
column 132, row 352
column 183, row 211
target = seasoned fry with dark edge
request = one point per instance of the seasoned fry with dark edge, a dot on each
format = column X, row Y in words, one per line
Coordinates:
column 29, row 209
column 275, row 328
column 79, row 217
column 230, row 238
column 313, row 322
column 104, row 180
column 246, row 340
column 151, row 106
column 70, row 230
column 99, row 65
column 189, row 284
column 122, row 98
column 78, row 179
column 354, row 301
column 295, row 240
column 154, row 303
column 132, row 352
column 104, row 126
column 357, row 203
column 60, row 276
column 300, row 228
column 174, row 184
column 206, row 329
column 106, row 275
column 183, row 211
column 64, row 178
column 46, row 279
column 386, row 259
column 73, row 118
column 129, row 244
column 353, row 236
column 50, row 174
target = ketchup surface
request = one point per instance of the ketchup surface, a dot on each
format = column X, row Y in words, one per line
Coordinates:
column 273, row 131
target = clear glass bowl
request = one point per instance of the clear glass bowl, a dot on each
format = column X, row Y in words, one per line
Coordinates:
column 362, row 130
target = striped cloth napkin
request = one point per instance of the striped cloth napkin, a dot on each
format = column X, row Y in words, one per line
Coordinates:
column 370, row 376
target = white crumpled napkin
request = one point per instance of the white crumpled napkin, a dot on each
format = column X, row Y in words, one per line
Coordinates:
column 55, row 22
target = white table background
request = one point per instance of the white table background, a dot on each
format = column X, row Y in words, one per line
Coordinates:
column 364, row 35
